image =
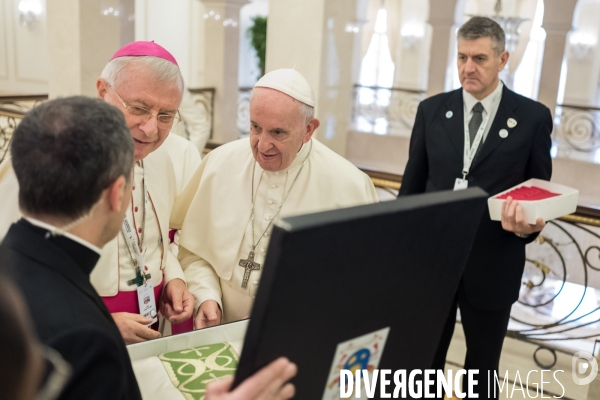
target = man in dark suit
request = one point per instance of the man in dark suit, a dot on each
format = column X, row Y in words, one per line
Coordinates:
column 488, row 136
column 73, row 158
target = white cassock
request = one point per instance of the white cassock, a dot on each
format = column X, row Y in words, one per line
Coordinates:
column 185, row 157
column 214, row 210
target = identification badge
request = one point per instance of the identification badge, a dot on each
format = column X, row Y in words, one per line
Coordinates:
column 460, row 184
column 146, row 302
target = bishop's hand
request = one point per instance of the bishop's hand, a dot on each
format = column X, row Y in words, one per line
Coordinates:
column 177, row 302
column 133, row 327
column 209, row 314
column 270, row 383
column 513, row 219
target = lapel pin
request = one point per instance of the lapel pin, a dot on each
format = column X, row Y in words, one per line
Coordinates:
column 511, row 122
column 503, row 133
column 449, row 114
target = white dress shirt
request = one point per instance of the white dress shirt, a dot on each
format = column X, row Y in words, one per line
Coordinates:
column 490, row 107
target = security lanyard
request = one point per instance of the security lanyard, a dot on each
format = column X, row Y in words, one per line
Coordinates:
column 471, row 150
column 136, row 251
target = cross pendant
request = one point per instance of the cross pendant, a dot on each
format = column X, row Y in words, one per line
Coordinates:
column 250, row 266
column 139, row 279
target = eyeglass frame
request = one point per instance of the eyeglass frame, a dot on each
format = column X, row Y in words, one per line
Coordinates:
column 149, row 114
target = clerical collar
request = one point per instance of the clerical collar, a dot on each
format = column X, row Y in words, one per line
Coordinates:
column 52, row 228
column 300, row 156
column 487, row 103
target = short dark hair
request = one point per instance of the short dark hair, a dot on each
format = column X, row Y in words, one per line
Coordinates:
column 66, row 152
column 478, row 27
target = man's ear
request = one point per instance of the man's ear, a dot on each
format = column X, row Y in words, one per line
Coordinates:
column 116, row 193
column 101, row 87
column 311, row 127
column 503, row 60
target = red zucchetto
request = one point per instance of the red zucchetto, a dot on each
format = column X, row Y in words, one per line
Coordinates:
column 141, row 48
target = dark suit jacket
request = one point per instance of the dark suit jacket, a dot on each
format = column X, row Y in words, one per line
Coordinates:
column 493, row 272
column 69, row 316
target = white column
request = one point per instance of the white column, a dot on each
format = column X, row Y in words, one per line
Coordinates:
column 220, row 64
column 81, row 40
column 310, row 36
column 558, row 20
column 441, row 19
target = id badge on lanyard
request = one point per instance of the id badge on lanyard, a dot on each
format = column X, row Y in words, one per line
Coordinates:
column 145, row 289
column 469, row 153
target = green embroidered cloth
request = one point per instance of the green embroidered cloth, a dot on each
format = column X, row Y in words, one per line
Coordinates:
column 190, row 370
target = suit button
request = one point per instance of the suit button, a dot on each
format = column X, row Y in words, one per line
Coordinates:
column 471, row 179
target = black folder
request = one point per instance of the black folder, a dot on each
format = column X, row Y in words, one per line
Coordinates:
column 333, row 276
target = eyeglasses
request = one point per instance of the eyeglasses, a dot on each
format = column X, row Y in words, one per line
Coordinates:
column 56, row 375
column 165, row 120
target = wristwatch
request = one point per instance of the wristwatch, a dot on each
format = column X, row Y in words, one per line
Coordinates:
column 522, row 235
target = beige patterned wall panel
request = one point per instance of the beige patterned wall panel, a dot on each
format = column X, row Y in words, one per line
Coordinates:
column 30, row 47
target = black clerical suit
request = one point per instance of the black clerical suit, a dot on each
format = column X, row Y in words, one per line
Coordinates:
column 52, row 273
column 492, row 277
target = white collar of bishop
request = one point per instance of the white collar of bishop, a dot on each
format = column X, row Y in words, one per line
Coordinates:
column 300, row 156
column 53, row 228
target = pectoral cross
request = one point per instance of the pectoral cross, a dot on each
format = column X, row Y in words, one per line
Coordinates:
column 139, row 278
column 250, row 266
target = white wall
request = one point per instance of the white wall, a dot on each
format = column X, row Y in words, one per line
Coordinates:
column 414, row 44
column 176, row 25
column 23, row 51
column 583, row 61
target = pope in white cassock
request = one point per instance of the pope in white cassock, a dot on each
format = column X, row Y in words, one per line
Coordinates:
column 143, row 80
column 227, row 210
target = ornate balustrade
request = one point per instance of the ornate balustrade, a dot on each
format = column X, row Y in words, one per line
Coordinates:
column 204, row 98
column 384, row 110
column 243, row 111
column 12, row 110
column 559, row 303
column 578, row 127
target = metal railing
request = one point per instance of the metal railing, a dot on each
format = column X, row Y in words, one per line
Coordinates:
column 562, row 271
column 12, row 110
column 384, row 110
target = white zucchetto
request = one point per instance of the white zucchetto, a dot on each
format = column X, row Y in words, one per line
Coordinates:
column 290, row 82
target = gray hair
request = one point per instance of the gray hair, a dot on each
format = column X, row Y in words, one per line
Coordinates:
column 479, row 27
column 307, row 112
column 164, row 71
column 65, row 152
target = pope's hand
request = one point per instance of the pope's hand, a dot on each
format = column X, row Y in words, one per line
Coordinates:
column 209, row 314
column 133, row 327
column 513, row 219
column 177, row 302
column 270, row 383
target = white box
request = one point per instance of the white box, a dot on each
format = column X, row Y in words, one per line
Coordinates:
column 233, row 332
column 154, row 381
column 547, row 209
